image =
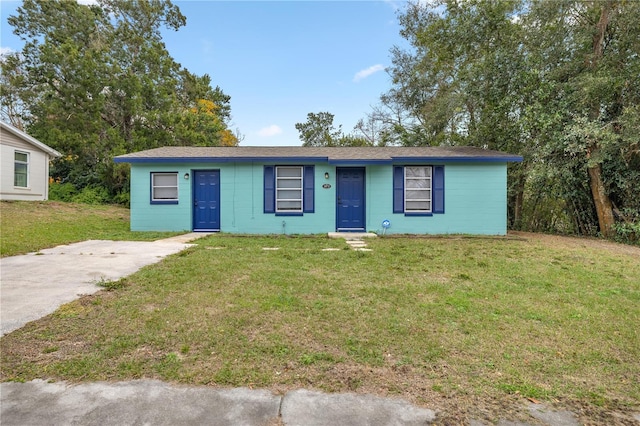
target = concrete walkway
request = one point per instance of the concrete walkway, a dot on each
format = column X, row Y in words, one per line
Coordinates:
column 36, row 284
column 355, row 240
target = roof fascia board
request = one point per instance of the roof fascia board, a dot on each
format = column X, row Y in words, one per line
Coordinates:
column 516, row 159
column 220, row 159
column 344, row 162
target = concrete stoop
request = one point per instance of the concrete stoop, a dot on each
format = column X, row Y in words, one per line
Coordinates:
column 352, row 235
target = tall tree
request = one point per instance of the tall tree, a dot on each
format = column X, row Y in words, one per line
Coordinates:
column 319, row 130
column 590, row 53
column 12, row 107
column 555, row 81
column 464, row 81
column 373, row 131
column 98, row 82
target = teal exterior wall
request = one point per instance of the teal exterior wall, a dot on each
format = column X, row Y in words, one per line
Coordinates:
column 475, row 201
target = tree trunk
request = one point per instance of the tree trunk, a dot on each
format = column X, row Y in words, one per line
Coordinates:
column 601, row 200
column 604, row 207
column 519, row 202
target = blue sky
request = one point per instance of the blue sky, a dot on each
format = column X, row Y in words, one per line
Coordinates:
column 281, row 60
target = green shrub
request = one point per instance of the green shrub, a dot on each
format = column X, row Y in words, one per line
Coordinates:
column 122, row 198
column 92, row 195
column 627, row 229
column 62, row 191
column 627, row 233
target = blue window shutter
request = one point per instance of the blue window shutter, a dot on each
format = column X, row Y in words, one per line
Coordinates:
column 269, row 189
column 398, row 189
column 438, row 189
column 309, row 186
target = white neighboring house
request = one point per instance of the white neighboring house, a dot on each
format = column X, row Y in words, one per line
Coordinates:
column 24, row 165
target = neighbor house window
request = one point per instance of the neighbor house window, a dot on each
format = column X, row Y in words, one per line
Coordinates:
column 164, row 187
column 289, row 189
column 418, row 190
column 21, row 169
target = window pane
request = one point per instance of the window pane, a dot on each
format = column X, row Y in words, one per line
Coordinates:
column 415, row 194
column 418, row 183
column 289, row 172
column 165, row 179
column 418, row 205
column 20, row 180
column 418, row 171
column 20, row 170
column 289, row 183
column 20, row 175
column 164, row 186
column 289, row 194
column 289, row 205
column 170, row 193
column 289, row 189
column 417, row 188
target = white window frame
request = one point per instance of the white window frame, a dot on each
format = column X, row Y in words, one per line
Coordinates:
column 17, row 162
column 426, row 189
column 300, row 188
column 154, row 187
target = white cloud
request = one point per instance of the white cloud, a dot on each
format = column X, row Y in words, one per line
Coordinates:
column 88, row 2
column 367, row 72
column 207, row 46
column 393, row 3
column 6, row 51
column 269, row 131
column 401, row 4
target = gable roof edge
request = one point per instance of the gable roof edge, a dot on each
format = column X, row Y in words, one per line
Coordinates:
column 30, row 139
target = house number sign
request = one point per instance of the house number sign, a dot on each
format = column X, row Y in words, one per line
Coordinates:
column 326, row 186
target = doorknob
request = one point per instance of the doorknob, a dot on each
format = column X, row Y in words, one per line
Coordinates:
column 195, row 202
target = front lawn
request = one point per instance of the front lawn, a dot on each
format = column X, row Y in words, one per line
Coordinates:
column 463, row 322
column 28, row 226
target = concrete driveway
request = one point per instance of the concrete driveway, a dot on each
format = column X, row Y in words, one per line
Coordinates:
column 36, row 284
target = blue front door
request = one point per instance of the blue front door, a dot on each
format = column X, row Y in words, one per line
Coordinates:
column 206, row 200
column 350, row 212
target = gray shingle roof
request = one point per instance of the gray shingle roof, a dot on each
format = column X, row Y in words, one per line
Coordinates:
column 364, row 155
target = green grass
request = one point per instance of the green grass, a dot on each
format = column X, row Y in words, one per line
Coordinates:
column 418, row 317
column 31, row 226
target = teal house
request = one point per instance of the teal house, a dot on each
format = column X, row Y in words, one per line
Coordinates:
column 311, row 190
